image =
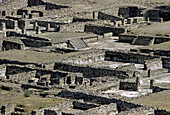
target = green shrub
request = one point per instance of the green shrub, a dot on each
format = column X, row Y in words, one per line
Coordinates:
column 27, row 94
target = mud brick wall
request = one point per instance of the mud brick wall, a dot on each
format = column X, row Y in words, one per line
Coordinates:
column 127, row 57
column 153, row 64
column 130, row 86
column 90, row 71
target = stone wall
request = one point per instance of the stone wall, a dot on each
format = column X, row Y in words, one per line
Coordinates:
column 50, row 6
column 159, row 40
column 9, row 24
column 8, row 45
column 126, row 12
column 156, row 89
column 35, row 43
column 130, row 86
column 84, row 15
column 104, row 16
column 156, row 52
column 91, row 71
column 128, row 57
column 142, row 40
column 8, row 109
column 121, row 105
column 35, row 3
column 83, row 106
column 2, row 71
column 74, row 27
column 128, row 38
column 153, row 64
column 103, row 29
column 110, row 109
column 166, row 62
column 161, row 112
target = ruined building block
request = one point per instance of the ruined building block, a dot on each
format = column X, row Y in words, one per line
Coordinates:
column 95, row 15
column 148, row 20
column 35, row 25
column 149, row 72
column 161, row 20
column 130, row 21
column 15, row 24
column 3, row 26
column 38, row 30
column 48, row 27
column 151, row 83
column 123, row 22
column 8, row 109
column 24, row 31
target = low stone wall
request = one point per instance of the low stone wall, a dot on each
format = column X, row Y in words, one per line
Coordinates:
column 90, row 71
column 127, row 38
column 12, row 33
column 156, row 52
column 73, row 27
column 35, row 43
column 130, row 86
column 153, row 64
column 103, row 29
column 121, row 105
column 83, row 106
column 8, row 45
column 127, row 56
column 27, row 86
column 104, row 16
column 161, row 112
column 90, row 39
column 166, row 62
column 4, row 61
column 8, row 109
column 110, row 109
column 156, row 89
column 159, row 40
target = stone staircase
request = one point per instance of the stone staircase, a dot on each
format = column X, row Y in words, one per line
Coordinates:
column 78, row 43
column 142, row 40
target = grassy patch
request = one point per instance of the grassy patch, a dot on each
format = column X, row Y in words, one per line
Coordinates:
column 30, row 103
column 160, row 100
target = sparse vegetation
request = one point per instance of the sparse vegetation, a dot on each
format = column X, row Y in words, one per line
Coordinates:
column 27, row 94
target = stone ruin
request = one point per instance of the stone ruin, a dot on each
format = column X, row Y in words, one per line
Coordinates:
column 85, row 63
